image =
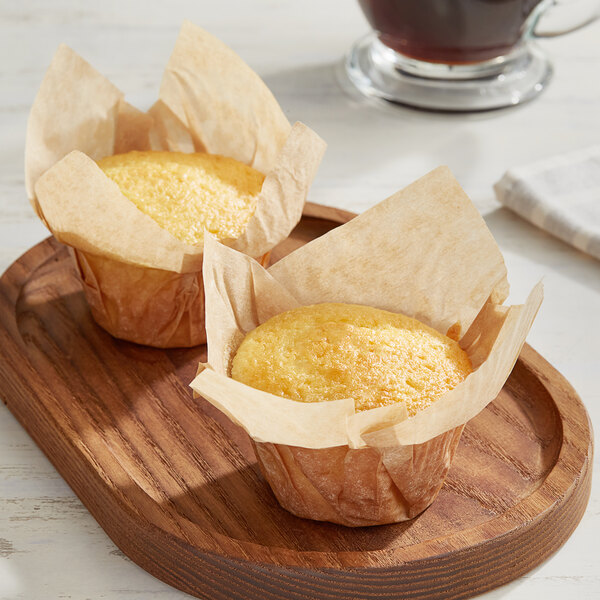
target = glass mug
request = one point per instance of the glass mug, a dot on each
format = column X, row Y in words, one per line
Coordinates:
column 454, row 55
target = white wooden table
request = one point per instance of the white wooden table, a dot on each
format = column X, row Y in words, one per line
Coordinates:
column 50, row 546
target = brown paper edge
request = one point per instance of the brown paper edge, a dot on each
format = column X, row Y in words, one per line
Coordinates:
column 74, row 198
column 206, row 82
column 240, row 295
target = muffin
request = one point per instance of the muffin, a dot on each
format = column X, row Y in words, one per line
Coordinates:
column 333, row 351
column 132, row 193
column 187, row 194
column 395, row 322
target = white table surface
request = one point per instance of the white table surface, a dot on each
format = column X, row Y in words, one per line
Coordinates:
column 50, row 546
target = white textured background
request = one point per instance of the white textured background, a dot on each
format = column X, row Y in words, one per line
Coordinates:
column 50, row 547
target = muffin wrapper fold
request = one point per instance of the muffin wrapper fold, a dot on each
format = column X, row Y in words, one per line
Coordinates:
column 413, row 253
column 136, row 303
column 209, row 100
column 358, row 487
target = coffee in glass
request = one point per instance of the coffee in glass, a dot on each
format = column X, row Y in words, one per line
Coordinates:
column 457, row 55
column 449, row 31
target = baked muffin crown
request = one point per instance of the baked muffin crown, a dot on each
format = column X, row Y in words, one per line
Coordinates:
column 333, row 351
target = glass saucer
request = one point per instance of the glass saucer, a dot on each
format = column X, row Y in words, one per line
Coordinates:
column 378, row 71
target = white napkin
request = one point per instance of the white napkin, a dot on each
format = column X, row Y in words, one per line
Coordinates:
column 559, row 194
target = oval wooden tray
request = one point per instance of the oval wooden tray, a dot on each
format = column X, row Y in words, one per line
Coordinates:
column 176, row 486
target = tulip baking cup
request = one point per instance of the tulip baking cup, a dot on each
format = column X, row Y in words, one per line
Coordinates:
column 424, row 252
column 142, row 283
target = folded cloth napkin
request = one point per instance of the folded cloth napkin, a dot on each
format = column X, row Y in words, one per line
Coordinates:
column 559, row 194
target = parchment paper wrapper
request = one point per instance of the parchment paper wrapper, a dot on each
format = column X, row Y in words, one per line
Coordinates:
column 209, row 100
column 425, row 252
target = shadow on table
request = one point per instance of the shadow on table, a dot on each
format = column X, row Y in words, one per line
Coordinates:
column 320, row 96
column 323, row 82
column 516, row 234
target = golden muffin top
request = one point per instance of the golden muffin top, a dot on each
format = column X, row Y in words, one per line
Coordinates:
column 187, row 193
column 335, row 351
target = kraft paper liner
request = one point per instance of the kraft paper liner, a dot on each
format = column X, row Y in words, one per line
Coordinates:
column 376, row 260
column 85, row 209
column 146, row 306
column 251, row 127
column 209, row 100
column 76, row 108
column 424, row 252
column 358, row 487
column 270, row 418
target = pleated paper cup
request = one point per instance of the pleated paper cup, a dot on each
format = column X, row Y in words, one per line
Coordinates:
column 142, row 283
column 424, row 252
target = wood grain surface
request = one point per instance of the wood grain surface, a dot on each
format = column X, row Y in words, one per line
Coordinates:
column 176, row 486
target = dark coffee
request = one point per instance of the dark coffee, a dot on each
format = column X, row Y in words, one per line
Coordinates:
column 449, row 31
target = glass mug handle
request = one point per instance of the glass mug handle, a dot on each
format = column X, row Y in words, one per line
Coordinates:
column 563, row 16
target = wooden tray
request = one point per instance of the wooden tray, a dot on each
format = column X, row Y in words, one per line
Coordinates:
column 176, row 486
